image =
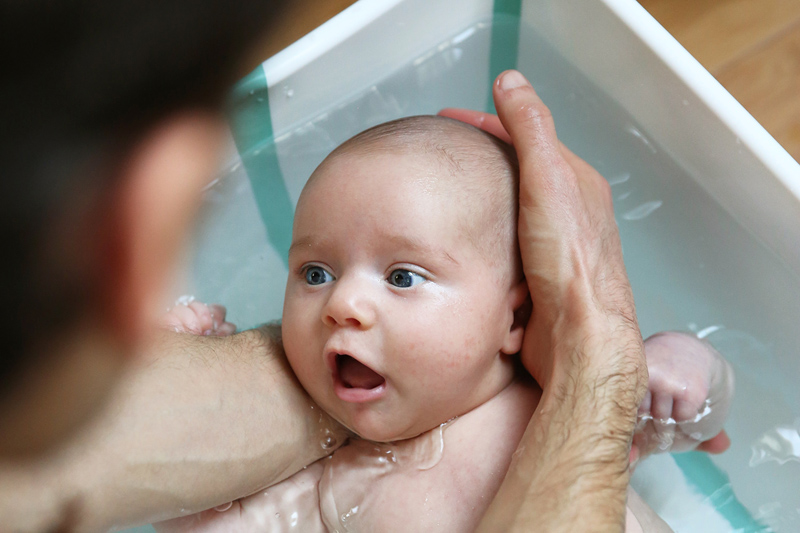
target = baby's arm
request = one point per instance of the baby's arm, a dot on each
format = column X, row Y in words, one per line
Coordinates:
column 689, row 395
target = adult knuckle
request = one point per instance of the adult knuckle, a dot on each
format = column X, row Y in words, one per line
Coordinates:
column 536, row 114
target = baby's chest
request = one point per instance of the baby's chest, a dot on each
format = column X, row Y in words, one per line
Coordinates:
column 441, row 481
column 431, row 484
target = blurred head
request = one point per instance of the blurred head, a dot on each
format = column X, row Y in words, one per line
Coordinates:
column 405, row 278
column 111, row 121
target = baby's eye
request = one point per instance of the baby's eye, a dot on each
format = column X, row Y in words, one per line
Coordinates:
column 317, row 275
column 404, row 278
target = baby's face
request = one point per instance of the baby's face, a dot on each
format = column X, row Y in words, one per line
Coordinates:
column 393, row 320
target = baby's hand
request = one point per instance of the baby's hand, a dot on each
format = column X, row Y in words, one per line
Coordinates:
column 688, row 398
column 197, row 318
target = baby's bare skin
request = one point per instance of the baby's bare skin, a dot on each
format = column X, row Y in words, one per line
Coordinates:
column 444, row 479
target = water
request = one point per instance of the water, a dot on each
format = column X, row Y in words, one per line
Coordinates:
column 692, row 266
column 352, row 497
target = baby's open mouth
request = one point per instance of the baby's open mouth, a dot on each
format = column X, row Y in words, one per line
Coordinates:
column 356, row 375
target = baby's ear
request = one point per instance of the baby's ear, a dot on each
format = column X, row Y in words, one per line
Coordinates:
column 520, row 303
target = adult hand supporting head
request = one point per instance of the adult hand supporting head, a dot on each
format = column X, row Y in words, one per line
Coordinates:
column 582, row 343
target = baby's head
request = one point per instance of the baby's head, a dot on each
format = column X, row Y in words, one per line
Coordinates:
column 404, row 277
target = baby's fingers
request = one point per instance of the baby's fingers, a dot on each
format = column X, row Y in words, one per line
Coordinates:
column 218, row 313
column 211, row 318
column 224, row 329
column 661, row 406
column 181, row 319
column 204, row 317
column 717, row 444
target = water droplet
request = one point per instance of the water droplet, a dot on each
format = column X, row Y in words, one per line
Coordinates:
column 642, row 211
column 224, row 507
column 327, row 443
column 277, row 515
column 293, row 519
column 349, row 514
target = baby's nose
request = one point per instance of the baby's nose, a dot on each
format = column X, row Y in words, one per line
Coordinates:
column 350, row 304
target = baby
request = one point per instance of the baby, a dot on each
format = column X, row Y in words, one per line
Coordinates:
column 404, row 311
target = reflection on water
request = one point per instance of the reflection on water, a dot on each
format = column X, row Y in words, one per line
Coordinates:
column 642, row 211
column 781, row 445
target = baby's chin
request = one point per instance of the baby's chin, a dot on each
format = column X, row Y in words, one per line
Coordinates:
column 384, row 432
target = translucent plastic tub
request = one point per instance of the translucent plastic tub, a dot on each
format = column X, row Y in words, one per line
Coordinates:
column 707, row 202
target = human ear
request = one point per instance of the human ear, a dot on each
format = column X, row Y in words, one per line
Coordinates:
column 519, row 302
column 146, row 215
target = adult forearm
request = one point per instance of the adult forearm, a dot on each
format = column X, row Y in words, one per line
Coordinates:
column 570, row 471
column 198, row 421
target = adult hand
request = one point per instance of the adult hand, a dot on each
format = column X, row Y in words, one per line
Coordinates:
column 569, row 241
column 582, row 343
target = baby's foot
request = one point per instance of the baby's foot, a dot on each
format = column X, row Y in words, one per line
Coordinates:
column 197, row 318
column 688, row 398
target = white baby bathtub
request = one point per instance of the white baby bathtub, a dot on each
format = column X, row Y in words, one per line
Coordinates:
column 708, row 203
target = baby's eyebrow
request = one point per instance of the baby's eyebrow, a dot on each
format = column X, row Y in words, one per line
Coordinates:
column 305, row 242
column 405, row 242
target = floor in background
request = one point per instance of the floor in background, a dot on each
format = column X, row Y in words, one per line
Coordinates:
column 752, row 47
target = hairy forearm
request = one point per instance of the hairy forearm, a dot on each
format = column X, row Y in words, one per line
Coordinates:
column 197, row 422
column 570, row 471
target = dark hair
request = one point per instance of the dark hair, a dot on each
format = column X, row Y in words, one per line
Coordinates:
column 81, row 81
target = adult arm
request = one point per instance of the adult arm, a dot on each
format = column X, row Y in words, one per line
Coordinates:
column 197, row 422
column 582, row 344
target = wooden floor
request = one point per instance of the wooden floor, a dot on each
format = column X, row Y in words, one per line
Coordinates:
column 751, row 46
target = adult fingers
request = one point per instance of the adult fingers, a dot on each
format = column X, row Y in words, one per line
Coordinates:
column 531, row 127
column 553, row 214
column 485, row 121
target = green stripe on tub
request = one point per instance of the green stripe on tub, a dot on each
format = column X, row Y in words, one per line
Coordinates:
column 715, row 485
column 251, row 124
column 505, row 40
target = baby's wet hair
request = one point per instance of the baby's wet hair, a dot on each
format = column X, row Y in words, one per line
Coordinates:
column 484, row 172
